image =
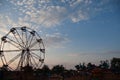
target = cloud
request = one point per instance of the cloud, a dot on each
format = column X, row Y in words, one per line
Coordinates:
column 73, row 55
column 5, row 23
column 79, row 16
column 4, row 20
column 44, row 15
column 113, row 52
column 72, row 2
column 56, row 40
column 49, row 17
column 47, row 13
column 50, row 13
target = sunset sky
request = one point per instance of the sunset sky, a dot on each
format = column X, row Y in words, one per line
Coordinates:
column 73, row 31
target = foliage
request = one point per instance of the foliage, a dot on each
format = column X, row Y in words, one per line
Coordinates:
column 115, row 65
column 80, row 67
column 58, row 69
column 104, row 64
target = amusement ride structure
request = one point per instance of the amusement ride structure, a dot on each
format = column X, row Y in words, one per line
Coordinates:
column 21, row 47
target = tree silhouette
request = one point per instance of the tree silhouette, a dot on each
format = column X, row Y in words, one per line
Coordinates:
column 77, row 67
column 90, row 66
column 46, row 70
column 115, row 65
column 58, row 69
column 104, row 64
column 80, row 67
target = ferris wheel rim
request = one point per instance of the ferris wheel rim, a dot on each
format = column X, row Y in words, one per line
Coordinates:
column 22, row 47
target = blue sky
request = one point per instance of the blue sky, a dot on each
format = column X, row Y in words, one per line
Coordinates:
column 74, row 31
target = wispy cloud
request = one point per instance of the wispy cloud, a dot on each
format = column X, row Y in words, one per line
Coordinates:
column 113, row 52
column 73, row 55
column 49, row 13
column 56, row 40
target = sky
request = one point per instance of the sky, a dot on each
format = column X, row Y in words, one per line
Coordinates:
column 73, row 31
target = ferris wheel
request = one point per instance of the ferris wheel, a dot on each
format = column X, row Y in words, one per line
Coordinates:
column 21, row 47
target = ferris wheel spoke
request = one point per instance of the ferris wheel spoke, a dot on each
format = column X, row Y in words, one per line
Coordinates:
column 11, row 50
column 42, row 50
column 20, row 37
column 2, row 61
column 14, row 58
column 30, row 42
column 40, row 64
column 17, row 39
column 10, row 68
column 34, row 49
column 33, row 44
column 7, row 67
column 2, row 46
column 35, row 55
column 38, row 57
column 30, row 61
column 5, row 61
column 16, row 43
column 38, row 41
column 26, row 39
column 34, row 60
column 21, row 61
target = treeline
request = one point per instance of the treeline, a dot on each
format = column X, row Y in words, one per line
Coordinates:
column 113, row 66
column 105, row 70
